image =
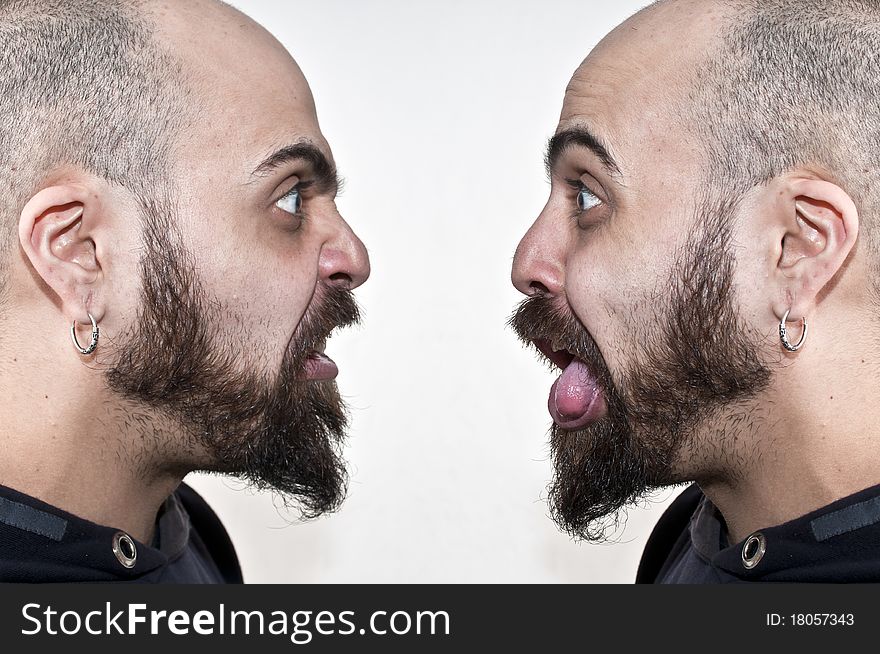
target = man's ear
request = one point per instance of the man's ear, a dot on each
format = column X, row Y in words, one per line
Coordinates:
column 54, row 231
column 819, row 224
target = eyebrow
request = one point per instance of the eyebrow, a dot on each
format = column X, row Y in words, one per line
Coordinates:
column 581, row 137
column 323, row 173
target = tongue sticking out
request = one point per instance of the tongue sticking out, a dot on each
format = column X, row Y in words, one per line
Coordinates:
column 576, row 399
column 319, row 367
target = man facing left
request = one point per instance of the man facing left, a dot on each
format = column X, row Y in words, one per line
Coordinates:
column 171, row 264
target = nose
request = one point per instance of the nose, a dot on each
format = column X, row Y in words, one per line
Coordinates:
column 344, row 260
column 539, row 262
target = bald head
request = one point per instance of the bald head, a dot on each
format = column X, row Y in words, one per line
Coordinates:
column 793, row 85
column 84, row 85
column 761, row 87
column 114, row 88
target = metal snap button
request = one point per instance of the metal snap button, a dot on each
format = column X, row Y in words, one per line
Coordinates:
column 124, row 549
column 753, row 550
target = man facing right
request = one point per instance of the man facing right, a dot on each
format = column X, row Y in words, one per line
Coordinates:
column 705, row 275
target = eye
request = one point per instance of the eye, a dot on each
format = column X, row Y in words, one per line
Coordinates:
column 291, row 202
column 586, row 199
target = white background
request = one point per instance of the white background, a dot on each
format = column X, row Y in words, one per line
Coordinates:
column 438, row 114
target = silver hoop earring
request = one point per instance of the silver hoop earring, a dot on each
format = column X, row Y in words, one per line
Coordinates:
column 783, row 334
column 92, row 343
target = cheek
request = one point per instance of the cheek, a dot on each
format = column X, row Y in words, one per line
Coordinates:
column 262, row 274
column 619, row 293
column 271, row 290
column 265, row 285
column 600, row 291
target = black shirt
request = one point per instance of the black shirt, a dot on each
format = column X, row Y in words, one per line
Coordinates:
column 41, row 543
column 837, row 543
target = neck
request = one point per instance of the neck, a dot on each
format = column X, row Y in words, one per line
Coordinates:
column 817, row 446
column 77, row 450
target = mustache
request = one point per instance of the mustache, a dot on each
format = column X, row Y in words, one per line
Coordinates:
column 540, row 318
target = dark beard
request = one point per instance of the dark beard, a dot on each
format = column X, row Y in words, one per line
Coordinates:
column 696, row 359
column 275, row 432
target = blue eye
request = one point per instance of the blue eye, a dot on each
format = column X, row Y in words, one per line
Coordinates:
column 291, row 202
column 586, row 199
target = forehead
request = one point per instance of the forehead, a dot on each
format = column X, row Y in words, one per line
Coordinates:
column 251, row 96
column 628, row 88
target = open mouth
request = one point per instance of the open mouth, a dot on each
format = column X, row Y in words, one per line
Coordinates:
column 318, row 366
column 557, row 354
column 576, row 397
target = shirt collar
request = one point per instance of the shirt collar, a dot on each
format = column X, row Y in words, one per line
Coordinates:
column 843, row 530
column 37, row 537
